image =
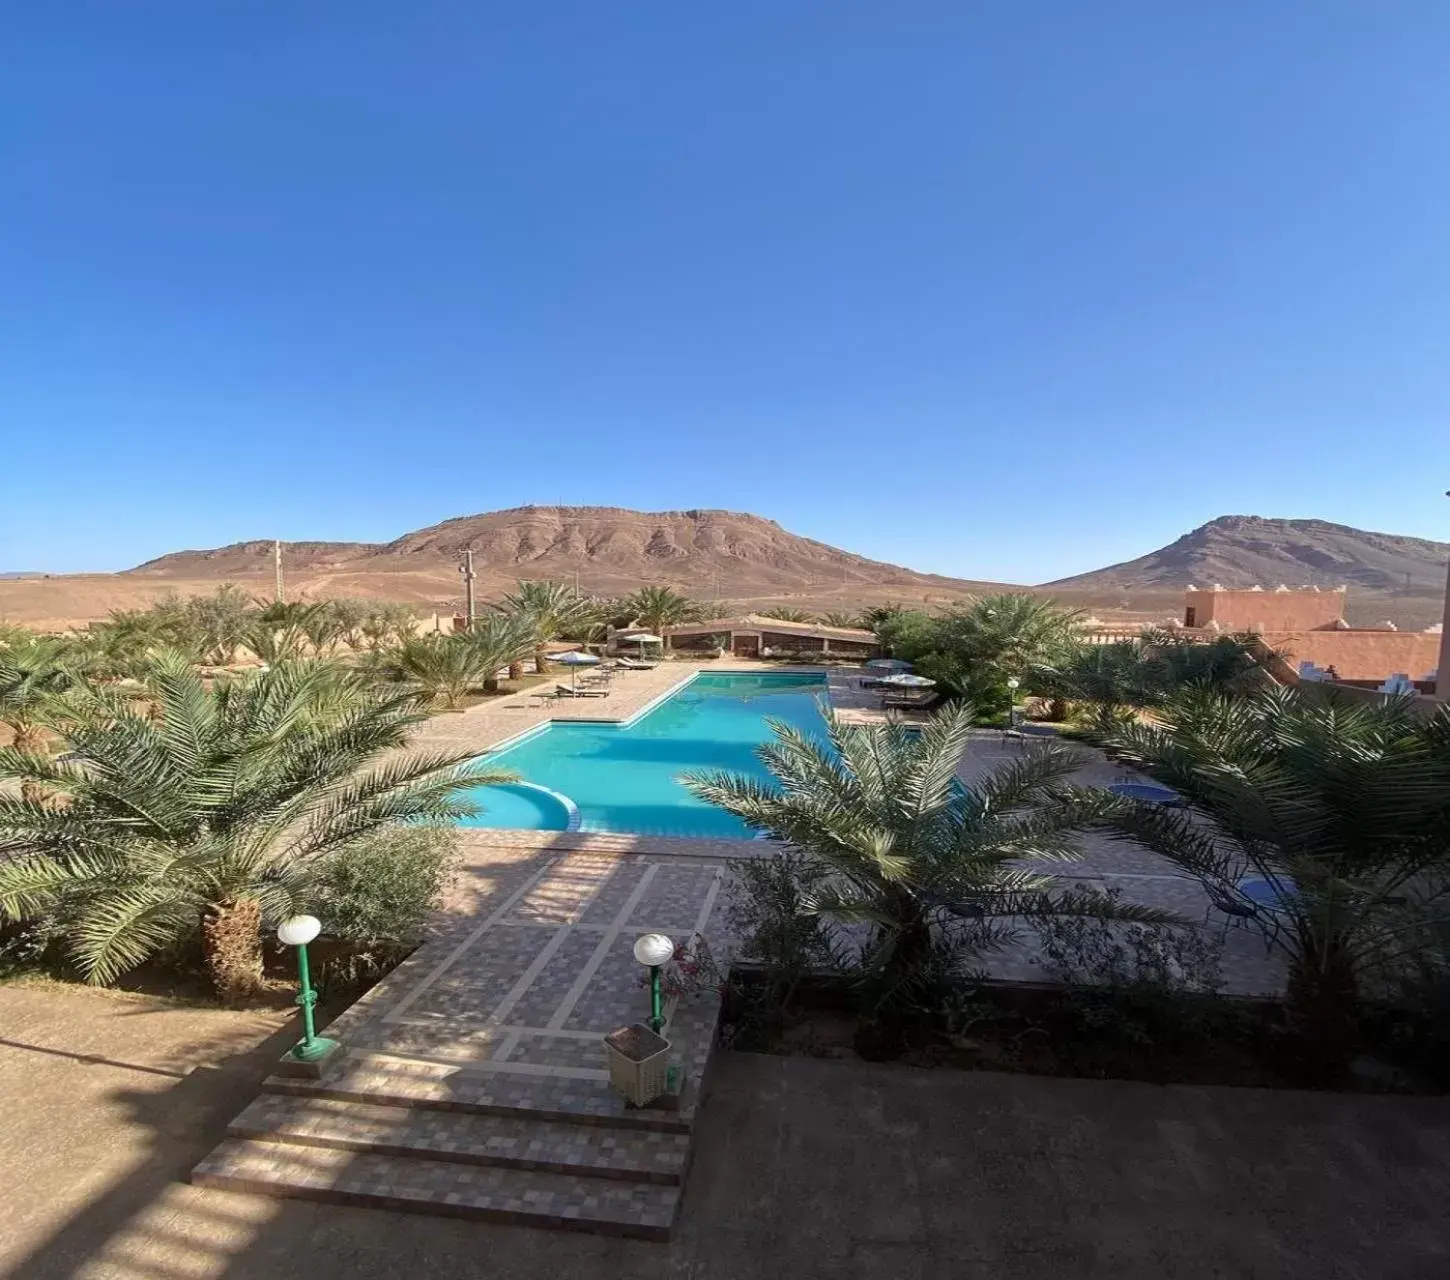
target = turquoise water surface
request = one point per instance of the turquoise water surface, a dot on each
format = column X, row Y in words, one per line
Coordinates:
column 624, row 780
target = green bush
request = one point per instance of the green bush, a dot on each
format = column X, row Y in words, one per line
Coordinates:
column 380, row 890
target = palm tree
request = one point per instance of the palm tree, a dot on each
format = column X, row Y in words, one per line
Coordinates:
column 500, row 640
column 844, row 618
column 350, row 615
column 34, row 674
column 1343, row 807
column 208, row 821
column 907, row 848
column 220, row 623
column 438, row 667
column 122, row 644
column 659, row 608
column 786, row 614
column 552, row 607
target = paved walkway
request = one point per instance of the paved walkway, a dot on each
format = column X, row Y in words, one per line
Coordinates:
column 498, row 1021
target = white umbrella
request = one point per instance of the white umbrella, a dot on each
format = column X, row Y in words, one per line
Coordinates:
column 905, row 680
column 888, row 664
column 644, row 638
column 575, row 659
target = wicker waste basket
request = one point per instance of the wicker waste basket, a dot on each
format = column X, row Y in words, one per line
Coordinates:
column 638, row 1063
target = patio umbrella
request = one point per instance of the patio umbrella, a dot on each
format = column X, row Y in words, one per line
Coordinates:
column 644, row 638
column 905, row 680
column 888, row 664
column 574, row 659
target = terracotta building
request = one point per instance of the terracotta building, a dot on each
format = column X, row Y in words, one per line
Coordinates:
column 1308, row 627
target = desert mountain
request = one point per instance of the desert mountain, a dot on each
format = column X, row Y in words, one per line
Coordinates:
column 728, row 554
column 1244, row 551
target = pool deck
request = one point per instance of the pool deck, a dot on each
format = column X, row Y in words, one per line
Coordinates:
column 1141, row 876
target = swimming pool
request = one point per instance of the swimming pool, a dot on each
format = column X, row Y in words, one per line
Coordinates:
column 622, row 778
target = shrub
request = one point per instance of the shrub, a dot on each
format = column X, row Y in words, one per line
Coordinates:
column 1136, row 982
column 1090, row 948
column 380, row 890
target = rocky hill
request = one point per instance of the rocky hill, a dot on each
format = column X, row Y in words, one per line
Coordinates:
column 721, row 553
column 1244, row 551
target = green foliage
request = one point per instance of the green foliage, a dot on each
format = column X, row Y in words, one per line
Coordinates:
column 1091, row 946
column 214, row 795
column 382, row 888
column 972, row 650
column 903, row 851
column 499, row 640
column 1134, row 674
column 551, row 608
column 441, row 668
column 841, row 618
column 786, row 614
column 218, row 624
column 1351, row 803
column 34, row 673
column 656, row 608
column 770, row 909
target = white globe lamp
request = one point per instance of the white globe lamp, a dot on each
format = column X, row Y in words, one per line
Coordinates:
column 654, row 950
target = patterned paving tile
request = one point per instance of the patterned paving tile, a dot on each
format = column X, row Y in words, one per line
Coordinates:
column 487, row 1192
column 447, row 1042
column 596, row 1150
column 544, row 995
column 473, row 985
column 565, row 890
column 673, row 898
column 564, row 1051
column 614, row 895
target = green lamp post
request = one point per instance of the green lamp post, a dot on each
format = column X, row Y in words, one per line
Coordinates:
column 654, row 950
column 298, row 932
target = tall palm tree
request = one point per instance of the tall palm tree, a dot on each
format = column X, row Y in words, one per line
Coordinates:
column 438, row 667
column 844, row 618
column 1344, row 807
column 552, row 607
column 206, row 822
column 907, row 848
column 659, row 608
column 500, row 640
column 34, row 674
column 786, row 614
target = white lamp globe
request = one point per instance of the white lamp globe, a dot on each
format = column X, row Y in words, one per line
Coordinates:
column 298, row 931
column 653, row 949
column 1013, row 682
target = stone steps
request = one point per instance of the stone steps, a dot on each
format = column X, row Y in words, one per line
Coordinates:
column 407, row 1082
column 490, row 1193
column 528, row 1143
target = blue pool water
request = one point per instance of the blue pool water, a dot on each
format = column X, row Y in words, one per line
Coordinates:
column 624, row 779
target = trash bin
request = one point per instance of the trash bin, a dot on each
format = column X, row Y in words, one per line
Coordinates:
column 638, row 1063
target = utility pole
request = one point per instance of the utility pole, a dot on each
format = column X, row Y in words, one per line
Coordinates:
column 466, row 569
column 277, row 571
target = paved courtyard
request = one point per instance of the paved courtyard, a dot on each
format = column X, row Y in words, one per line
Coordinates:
column 803, row 1168
column 473, row 1078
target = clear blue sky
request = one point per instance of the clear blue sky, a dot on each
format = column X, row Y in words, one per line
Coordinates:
column 992, row 289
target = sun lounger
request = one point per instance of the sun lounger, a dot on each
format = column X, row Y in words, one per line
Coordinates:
column 564, row 691
column 634, row 664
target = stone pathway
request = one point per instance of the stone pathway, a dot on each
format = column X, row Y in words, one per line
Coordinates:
column 473, row 1081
